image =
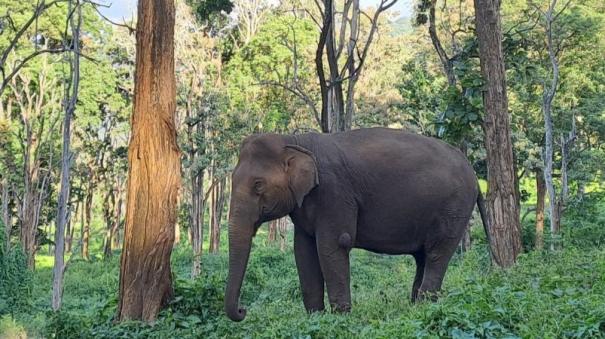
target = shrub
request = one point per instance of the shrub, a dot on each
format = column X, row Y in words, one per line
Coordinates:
column 15, row 278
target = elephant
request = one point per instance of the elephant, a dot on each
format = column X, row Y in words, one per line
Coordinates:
column 383, row 190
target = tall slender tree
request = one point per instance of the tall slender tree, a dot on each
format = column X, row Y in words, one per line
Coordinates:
column 503, row 209
column 71, row 97
column 154, row 168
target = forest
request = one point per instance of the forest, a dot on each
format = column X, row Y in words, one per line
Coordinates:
column 120, row 132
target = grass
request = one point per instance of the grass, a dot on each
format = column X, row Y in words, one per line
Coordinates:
column 547, row 295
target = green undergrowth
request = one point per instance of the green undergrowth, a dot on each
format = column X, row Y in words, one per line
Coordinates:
column 547, row 295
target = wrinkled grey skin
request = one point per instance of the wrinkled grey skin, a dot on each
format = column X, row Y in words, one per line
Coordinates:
column 383, row 190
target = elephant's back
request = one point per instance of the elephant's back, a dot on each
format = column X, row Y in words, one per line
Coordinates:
column 380, row 149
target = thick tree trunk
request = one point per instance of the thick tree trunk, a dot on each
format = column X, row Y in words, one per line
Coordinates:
column 541, row 193
column 503, row 213
column 154, row 169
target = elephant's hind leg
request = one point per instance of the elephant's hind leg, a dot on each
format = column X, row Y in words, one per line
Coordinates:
column 420, row 260
column 309, row 271
column 437, row 258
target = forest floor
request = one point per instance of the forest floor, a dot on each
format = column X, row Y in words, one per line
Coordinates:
column 547, row 295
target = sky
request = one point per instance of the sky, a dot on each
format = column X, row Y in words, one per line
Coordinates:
column 126, row 8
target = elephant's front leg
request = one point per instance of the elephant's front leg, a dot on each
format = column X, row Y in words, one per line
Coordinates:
column 309, row 271
column 334, row 247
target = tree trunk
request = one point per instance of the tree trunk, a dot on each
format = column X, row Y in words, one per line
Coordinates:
column 154, row 169
column 503, row 214
column 212, row 217
column 68, row 233
column 272, row 234
column 540, row 192
column 197, row 230
column 549, row 95
column 63, row 209
column 109, row 205
column 282, row 227
column 177, row 232
column 5, row 213
column 446, row 63
column 88, row 218
column 217, row 206
column 69, row 230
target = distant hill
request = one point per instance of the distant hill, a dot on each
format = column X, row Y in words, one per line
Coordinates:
column 401, row 26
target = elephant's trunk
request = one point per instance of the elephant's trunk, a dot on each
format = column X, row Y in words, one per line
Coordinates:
column 240, row 241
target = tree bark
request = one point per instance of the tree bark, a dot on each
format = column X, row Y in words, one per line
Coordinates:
column 5, row 213
column 338, row 107
column 272, row 234
column 282, row 227
column 555, row 204
column 63, row 208
column 69, row 229
column 87, row 212
column 154, row 169
column 109, row 211
column 217, row 206
column 503, row 213
column 541, row 193
column 197, row 230
column 446, row 62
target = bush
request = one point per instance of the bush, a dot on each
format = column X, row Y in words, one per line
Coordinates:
column 10, row 329
column 15, row 278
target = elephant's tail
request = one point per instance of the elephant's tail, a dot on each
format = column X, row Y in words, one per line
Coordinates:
column 484, row 220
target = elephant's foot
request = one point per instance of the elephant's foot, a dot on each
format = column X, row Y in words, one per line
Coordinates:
column 431, row 296
column 314, row 307
column 341, row 308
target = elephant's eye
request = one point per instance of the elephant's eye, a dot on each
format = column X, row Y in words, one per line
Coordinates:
column 259, row 186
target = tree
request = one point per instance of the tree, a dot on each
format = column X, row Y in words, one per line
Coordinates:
column 154, row 169
column 34, row 120
column 337, row 29
column 503, row 210
column 20, row 32
column 72, row 87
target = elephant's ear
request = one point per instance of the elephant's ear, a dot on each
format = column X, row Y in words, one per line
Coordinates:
column 300, row 167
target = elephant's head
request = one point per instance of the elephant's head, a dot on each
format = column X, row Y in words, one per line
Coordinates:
column 271, row 178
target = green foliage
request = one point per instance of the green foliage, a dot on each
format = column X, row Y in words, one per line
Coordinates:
column 15, row 279
column 209, row 12
column 257, row 71
column 10, row 329
column 548, row 294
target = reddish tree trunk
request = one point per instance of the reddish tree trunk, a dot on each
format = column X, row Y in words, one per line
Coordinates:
column 503, row 211
column 154, row 169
